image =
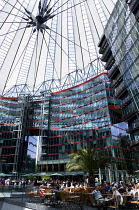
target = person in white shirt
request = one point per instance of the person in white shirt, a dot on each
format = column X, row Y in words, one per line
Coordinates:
column 115, row 194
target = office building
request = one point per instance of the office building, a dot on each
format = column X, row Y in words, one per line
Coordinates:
column 119, row 48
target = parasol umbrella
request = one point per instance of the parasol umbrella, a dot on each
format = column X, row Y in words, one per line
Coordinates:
column 29, row 174
column 4, row 175
column 56, row 174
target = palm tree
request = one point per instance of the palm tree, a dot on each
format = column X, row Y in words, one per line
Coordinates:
column 89, row 160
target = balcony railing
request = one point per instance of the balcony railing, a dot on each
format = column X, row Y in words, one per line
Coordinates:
column 113, row 71
column 133, row 5
column 107, row 54
column 116, row 81
column 110, row 63
column 137, row 16
column 120, row 90
column 102, row 41
column 104, row 46
column 135, row 143
column 126, row 101
column 130, row 114
column 131, row 129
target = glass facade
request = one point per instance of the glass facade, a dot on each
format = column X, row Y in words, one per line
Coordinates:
column 14, row 150
column 121, row 36
column 86, row 114
column 53, row 125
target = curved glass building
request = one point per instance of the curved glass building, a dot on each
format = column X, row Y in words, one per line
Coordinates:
column 55, row 93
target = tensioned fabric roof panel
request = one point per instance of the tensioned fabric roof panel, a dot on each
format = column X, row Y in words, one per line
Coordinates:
column 46, row 40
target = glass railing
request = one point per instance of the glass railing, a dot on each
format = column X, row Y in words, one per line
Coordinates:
column 120, row 89
column 125, row 101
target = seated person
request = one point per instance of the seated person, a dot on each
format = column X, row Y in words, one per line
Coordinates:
column 42, row 192
column 131, row 193
column 108, row 187
column 97, row 195
column 115, row 194
column 123, row 188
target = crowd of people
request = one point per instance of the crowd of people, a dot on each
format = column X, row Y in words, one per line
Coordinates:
column 104, row 192
column 120, row 189
column 100, row 190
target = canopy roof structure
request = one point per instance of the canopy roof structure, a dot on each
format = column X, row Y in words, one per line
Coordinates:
column 47, row 44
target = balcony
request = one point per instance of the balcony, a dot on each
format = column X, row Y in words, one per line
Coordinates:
column 104, row 47
column 113, row 72
column 102, row 41
column 110, row 63
column 117, row 80
column 133, row 129
column 135, row 143
column 120, row 90
column 131, row 113
column 133, row 5
column 125, row 102
column 137, row 16
column 106, row 55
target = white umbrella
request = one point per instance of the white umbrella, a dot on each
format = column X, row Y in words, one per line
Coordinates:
column 56, row 174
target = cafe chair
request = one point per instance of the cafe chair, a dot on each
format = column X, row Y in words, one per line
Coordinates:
column 116, row 203
column 93, row 202
column 29, row 195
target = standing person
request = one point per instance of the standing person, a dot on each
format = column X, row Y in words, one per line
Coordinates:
column 35, row 182
column 96, row 181
column 26, row 181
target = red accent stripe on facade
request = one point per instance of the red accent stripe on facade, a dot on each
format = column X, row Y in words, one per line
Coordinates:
column 81, row 83
column 34, row 128
column 8, row 111
column 116, row 147
column 34, row 120
column 36, row 101
column 6, row 124
column 5, row 155
column 8, row 104
column 29, row 165
column 8, row 98
column 125, row 159
column 82, row 91
column 7, row 131
column 35, row 108
column 7, row 117
column 34, row 114
column 29, row 158
column 82, row 98
column 31, row 151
